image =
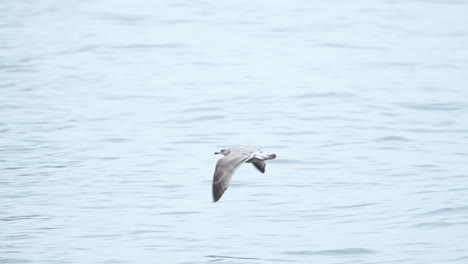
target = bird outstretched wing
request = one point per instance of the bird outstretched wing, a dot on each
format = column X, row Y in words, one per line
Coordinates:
column 225, row 168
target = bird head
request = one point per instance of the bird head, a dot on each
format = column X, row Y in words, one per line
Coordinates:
column 224, row 151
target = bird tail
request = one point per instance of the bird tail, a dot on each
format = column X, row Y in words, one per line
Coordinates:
column 270, row 157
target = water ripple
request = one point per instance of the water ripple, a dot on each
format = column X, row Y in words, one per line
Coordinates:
column 394, row 138
column 332, row 252
column 448, row 210
column 449, row 106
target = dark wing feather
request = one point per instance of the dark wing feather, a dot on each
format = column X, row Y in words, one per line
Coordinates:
column 258, row 161
column 259, row 164
column 225, row 168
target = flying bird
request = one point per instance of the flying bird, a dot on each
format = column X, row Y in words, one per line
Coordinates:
column 232, row 160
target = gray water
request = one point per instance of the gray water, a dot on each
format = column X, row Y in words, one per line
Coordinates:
column 110, row 112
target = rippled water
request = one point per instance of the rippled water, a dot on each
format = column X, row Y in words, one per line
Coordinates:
column 110, row 112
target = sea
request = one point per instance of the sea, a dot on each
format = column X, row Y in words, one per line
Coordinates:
column 111, row 111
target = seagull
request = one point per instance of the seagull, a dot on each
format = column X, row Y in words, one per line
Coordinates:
column 232, row 160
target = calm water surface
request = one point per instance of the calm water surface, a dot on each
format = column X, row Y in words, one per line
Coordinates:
column 110, row 112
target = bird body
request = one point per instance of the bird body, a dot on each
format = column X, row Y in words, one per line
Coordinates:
column 233, row 158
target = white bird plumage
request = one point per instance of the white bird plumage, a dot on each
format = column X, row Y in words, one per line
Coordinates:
column 233, row 158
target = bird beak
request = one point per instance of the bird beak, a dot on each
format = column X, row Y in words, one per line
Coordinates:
column 216, row 153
